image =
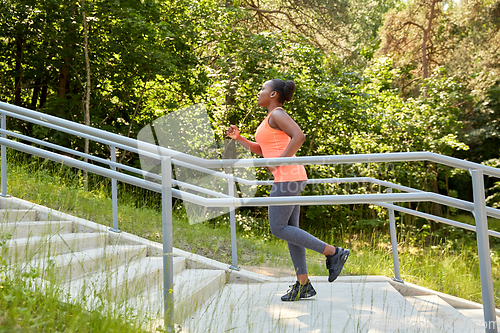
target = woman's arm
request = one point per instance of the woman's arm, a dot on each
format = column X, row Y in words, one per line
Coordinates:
column 290, row 127
column 234, row 133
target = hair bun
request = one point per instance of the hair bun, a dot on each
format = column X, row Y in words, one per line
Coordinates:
column 289, row 90
column 284, row 89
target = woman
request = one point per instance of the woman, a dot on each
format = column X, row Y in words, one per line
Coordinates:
column 279, row 136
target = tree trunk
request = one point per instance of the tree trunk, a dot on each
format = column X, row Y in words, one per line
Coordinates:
column 425, row 38
column 43, row 96
column 425, row 69
column 63, row 79
column 435, row 208
column 86, row 115
column 19, row 70
column 36, row 92
column 133, row 116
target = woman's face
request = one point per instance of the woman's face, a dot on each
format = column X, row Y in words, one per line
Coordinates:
column 265, row 95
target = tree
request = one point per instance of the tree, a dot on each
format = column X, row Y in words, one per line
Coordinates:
column 409, row 36
column 345, row 29
column 136, row 47
column 86, row 107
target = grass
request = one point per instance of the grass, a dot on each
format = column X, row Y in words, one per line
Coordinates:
column 27, row 305
column 25, row 310
column 445, row 261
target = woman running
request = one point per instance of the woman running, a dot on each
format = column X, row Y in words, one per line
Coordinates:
column 279, row 136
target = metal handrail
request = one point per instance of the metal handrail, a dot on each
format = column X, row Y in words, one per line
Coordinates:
column 167, row 156
column 228, row 201
column 96, row 134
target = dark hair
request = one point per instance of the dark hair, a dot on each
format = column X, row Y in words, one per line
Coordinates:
column 284, row 89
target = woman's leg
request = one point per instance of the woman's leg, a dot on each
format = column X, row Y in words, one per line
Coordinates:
column 329, row 250
column 298, row 253
column 284, row 223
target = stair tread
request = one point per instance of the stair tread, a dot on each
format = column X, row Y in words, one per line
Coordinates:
column 26, row 249
column 36, row 222
column 186, row 283
column 87, row 254
column 137, row 268
column 183, row 282
column 476, row 315
column 4, row 210
column 24, row 229
column 33, row 239
column 18, row 214
column 443, row 316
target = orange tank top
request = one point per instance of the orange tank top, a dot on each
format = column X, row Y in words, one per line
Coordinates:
column 273, row 143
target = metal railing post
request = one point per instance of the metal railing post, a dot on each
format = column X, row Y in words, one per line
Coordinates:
column 168, row 261
column 483, row 249
column 394, row 242
column 232, row 220
column 114, row 192
column 3, row 125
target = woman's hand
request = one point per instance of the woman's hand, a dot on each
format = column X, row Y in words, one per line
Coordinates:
column 233, row 132
column 271, row 169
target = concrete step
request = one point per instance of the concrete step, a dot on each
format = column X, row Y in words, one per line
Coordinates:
column 476, row 316
column 17, row 215
column 28, row 248
column 38, row 228
column 76, row 264
column 192, row 287
column 337, row 307
column 442, row 315
column 121, row 283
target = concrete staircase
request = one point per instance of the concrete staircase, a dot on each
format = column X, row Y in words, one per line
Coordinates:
column 102, row 267
column 124, row 271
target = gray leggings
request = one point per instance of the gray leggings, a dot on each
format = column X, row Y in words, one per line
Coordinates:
column 284, row 223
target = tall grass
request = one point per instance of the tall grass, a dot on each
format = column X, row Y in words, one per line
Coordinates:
column 29, row 305
column 25, row 310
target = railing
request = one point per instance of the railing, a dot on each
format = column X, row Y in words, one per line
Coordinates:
column 387, row 200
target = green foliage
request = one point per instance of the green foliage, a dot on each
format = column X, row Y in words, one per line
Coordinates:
column 483, row 133
column 493, row 197
column 136, row 50
column 149, row 58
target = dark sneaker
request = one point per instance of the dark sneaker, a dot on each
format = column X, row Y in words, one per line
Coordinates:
column 298, row 291
column 335, row 263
